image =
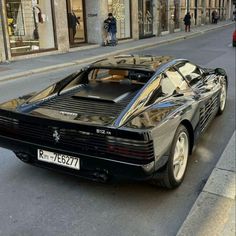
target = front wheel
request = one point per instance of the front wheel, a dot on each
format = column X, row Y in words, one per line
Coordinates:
column 174, row 172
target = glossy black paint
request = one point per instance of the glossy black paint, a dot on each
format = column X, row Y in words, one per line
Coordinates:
column 135, row 141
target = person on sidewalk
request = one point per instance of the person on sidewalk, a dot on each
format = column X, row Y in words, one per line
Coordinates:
column 187, row 22
column 234, row 15
column 112, row 29
column 105, row 32
column 214, row 16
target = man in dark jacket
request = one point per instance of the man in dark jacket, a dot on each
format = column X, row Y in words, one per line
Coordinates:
column 187, row 22
column 112, row 28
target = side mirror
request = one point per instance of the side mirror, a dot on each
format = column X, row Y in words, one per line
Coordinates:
column 220, row 71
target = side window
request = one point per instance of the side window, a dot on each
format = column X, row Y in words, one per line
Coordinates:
column 167, row 87
column 176, row 79
column 190, row 71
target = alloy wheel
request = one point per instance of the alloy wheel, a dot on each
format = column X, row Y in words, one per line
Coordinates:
column 180, row 156
column 223, row 94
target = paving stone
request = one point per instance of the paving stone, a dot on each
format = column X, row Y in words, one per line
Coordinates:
column 208, row 216
column 229, row 228
column 228, row 162
column 221, row 182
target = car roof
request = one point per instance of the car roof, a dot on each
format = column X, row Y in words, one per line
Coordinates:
column 136, row 62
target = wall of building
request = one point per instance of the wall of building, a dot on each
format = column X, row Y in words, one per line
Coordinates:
column 61, row 26
column 2, row 51
column 4, row 39
column 134, row 14
column 96, row 13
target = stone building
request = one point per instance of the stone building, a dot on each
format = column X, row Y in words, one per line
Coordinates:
column 30, row 28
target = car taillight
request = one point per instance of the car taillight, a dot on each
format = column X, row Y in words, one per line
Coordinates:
column 126, row 151
column 234, row 35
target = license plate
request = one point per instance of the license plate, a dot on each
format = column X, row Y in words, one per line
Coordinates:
column 59, row 159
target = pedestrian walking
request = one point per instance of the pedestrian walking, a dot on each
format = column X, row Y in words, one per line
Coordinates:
column 111, row 27
column 105, row 32
column 234, row 15
column 187, row 22
column 214, row 17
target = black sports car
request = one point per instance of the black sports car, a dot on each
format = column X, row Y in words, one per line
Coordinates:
column 130, row 116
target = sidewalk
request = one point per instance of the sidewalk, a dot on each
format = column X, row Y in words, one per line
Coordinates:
column 21, row 68
column 213, row 213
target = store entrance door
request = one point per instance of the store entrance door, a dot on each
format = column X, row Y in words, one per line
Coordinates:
column 145, row 15
column 163, row 16
column 76, row 22
column 195, row 11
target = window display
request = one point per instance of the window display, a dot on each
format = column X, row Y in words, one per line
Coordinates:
column 163, row 15
column 121, row 11
column 176, row 13
column 30, row 25
column 145, row 18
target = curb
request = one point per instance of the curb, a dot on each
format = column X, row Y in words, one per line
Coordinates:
column 211, row 213
column 94, row 58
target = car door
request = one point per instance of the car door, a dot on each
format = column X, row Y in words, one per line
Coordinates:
column 206, row 90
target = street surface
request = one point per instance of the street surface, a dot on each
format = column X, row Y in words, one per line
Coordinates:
column 39, row 202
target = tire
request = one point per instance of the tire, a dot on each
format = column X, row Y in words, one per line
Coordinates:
column 171, row 177
column 223, row 95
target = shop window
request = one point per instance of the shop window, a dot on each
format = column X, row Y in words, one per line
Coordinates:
column 76, row 22
column 30, row 25
column 121, row 11
column 145, row 17
column 176, row 13
column 163, row 15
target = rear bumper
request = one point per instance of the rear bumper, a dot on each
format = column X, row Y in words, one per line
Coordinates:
column 92, row 167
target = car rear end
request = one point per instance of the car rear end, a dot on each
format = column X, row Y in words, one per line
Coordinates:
column 90, row 151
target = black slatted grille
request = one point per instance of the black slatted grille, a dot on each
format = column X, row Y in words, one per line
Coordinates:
column 207, row 111
column 68, row 103
column 82, row 142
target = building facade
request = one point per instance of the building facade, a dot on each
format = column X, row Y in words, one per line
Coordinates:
column 30, row 28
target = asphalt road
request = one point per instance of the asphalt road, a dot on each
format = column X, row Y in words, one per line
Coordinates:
column 39, row 202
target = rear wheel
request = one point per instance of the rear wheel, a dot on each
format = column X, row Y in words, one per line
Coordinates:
column 174, row 172
column 223, row 95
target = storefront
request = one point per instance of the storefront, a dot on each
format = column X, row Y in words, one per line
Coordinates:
column 176, row 14
column 121, row 10
column 76, row 22
column 163, row 15
column 30, row 26
column 145, row 18
column 195, row 12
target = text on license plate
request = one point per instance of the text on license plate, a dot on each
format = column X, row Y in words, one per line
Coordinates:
column 59, row 159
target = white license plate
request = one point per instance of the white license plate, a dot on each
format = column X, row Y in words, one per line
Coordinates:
column 59, row 159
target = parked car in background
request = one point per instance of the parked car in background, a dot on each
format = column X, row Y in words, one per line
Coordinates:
column 234, row 39
column 136, row 117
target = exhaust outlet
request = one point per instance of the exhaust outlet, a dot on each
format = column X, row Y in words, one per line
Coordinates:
column 101, row 177
column 23, row 157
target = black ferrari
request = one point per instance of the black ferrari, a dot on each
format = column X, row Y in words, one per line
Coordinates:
column 130, row 116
